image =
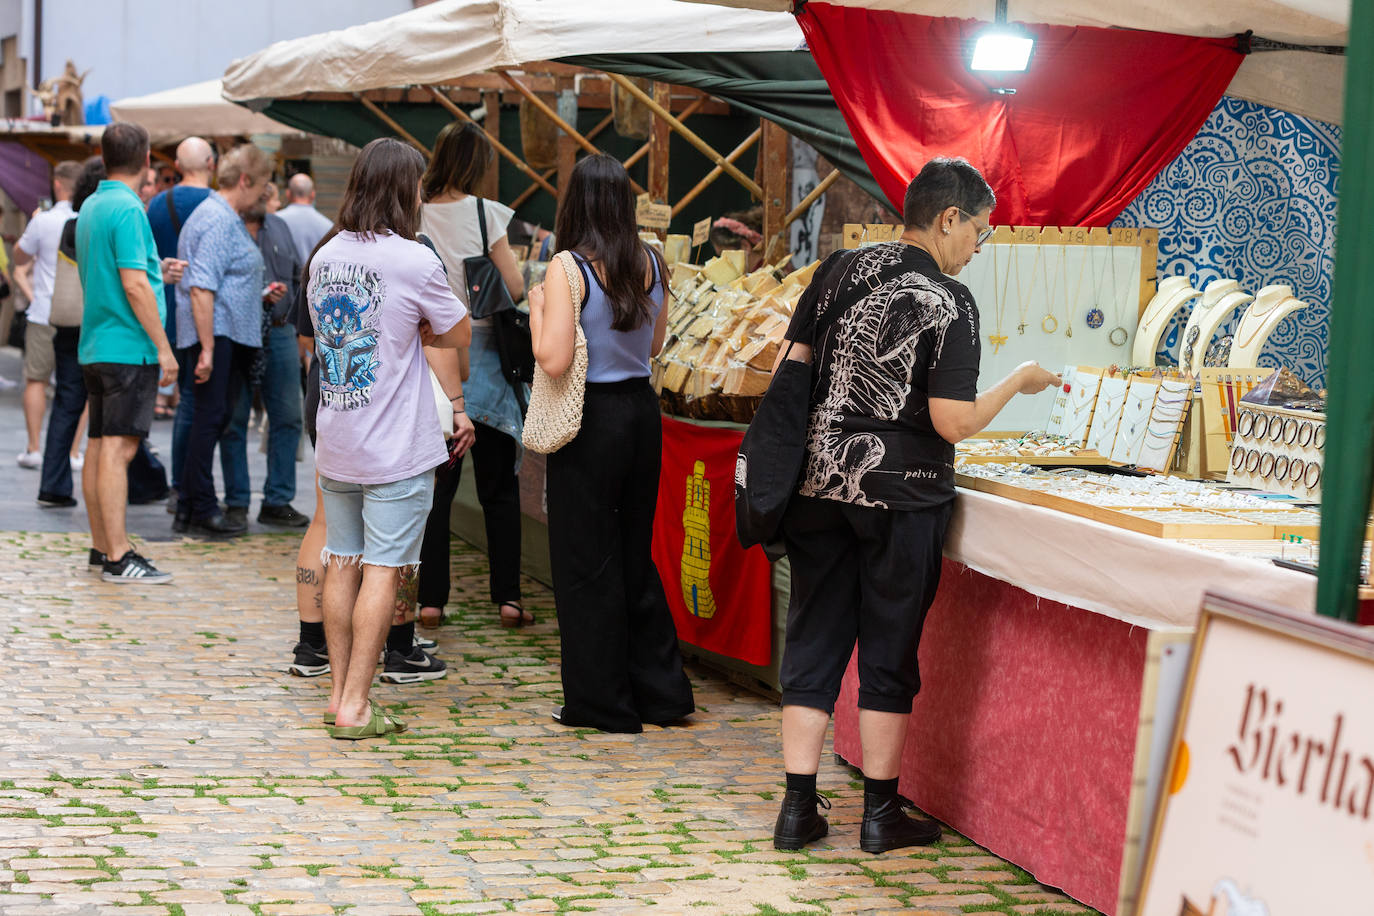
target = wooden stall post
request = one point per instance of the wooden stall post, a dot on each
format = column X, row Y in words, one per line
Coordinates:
column 776, row 167
column 567, row 145
column 659, row 136
column 491, row 182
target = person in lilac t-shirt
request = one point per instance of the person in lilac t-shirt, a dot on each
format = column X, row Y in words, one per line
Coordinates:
column 376, row 297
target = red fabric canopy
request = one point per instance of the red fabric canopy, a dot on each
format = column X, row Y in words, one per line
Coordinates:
column 1096, row 116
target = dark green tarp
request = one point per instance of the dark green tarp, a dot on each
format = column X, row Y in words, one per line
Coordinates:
column 786, row 87
column 1348, row 464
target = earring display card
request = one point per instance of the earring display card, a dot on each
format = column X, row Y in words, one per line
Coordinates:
column 1165, row 423
column 1111, row 400
column 1135, row 417
column 1078, row 411
column 1055, row 425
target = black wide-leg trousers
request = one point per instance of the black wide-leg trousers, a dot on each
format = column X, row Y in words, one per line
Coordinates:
column 621, row 664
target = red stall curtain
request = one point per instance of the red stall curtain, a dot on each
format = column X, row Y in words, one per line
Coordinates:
column 1096, row 116
column 721, row 595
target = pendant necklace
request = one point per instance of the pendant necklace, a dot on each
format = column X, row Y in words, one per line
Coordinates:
column 1096, row 317
column 1069, row 307
column 1049, row 324
column 999, row 305
column 1116, row 307
column 1259, row 327
column 1023, row 295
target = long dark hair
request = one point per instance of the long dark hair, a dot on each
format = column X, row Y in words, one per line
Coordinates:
column 462, row 155
column 383, row 193
column 597, row 220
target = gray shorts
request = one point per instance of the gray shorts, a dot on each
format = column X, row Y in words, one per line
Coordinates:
column 379, row 524
column 39, row 360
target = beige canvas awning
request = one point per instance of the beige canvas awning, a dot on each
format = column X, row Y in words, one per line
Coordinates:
column 454, row 38
column 199, row 109
column 1302, row 82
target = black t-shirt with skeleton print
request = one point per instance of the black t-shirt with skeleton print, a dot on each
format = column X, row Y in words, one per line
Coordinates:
column 906, row 333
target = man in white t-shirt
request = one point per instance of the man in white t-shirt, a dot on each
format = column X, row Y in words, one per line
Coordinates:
column 35, row 258
column 307, row 224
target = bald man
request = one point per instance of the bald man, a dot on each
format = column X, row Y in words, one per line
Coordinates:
column 167, row 213
column 307, row 224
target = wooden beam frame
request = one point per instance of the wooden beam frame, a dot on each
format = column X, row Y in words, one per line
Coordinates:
column 686, row 133
column 548, row 173
column 389, row 121
column 717, row 171
column 515, row 160
column 568, row 130
column 775, row 157
column 805, row 203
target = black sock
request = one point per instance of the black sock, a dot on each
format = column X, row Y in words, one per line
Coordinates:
column 880, row 786
column 401, row 638
column 802, row 782
column 312, row 633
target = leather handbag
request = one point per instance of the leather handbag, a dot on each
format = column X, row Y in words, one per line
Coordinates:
column 487, row 293
column 555, row 412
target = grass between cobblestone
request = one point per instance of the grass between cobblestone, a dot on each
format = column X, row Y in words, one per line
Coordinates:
column 159, row 760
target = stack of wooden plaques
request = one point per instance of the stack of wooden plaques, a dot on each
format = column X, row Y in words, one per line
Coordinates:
column 725, row 328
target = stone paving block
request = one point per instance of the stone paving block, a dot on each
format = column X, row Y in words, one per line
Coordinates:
column 192, row 770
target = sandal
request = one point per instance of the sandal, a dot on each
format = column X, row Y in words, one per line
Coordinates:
column 431, row 621
column 380, row 724
column 514, row 621
column 161, row 412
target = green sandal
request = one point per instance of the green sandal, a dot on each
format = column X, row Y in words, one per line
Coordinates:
column 379, row 725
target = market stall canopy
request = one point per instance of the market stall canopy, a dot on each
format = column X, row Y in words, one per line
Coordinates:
column 195, row 110
column 454, row 38
column 1305, row 82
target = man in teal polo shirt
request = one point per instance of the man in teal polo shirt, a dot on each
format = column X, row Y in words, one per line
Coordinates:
column 123, row 351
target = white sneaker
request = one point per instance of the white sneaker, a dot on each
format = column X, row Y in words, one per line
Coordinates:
column 31, row 460
column 77, row 461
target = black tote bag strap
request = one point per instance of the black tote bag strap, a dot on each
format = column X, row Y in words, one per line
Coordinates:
column 482, row 224
column 172, row 211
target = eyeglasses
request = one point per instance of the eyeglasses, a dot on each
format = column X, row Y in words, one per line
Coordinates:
column 983, row 234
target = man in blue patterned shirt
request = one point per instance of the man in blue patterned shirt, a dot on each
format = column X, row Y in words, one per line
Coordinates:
column 219, row 323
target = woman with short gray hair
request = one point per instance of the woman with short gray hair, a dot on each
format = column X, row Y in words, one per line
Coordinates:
column 893, row 340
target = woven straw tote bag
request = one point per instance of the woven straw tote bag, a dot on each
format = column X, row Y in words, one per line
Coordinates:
column 555, row 413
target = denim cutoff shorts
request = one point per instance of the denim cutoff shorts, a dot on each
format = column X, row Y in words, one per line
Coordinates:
column 380, row 524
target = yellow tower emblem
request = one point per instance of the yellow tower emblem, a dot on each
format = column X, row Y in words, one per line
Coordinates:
column 696, row 545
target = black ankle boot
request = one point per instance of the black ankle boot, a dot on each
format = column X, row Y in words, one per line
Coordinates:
column 799, row 822
column 886, row 826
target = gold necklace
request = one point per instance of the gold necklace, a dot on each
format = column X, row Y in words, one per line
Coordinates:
column 1023, row 303
column 1261, row 315
column 999, row 305
column 1049, row 324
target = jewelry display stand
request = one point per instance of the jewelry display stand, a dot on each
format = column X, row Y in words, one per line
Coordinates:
column 1174, row 293
column 1135, row 418
column 1078, row 411
column 1279, row 451
column 1054, row 426
column 1111, row 402
column 1164, row 426
column 1272, row 304
column 1221, row 298
column 1222, row 390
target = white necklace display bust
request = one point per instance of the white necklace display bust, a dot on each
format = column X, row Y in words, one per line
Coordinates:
column 1174, row 293
column 1272, row 304
column 1221, row 299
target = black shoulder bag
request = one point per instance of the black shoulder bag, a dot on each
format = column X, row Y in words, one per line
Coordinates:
column 770, row 457
column 489, row 298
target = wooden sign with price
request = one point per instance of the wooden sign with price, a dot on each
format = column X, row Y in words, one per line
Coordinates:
column 651, row 215
column 701, row 231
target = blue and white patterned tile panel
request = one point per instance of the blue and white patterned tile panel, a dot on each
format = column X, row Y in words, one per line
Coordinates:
column 1252, row 197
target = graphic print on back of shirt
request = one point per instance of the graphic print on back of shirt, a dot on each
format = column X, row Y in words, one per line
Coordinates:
column 346, row 300
column 872, row 351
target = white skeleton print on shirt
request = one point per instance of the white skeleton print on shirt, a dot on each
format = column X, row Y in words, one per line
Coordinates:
column 870, row 357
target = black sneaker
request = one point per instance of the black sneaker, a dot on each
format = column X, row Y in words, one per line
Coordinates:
column 310, row 661
column 418, row 666
column 284, row 516
column 50, row 501
column 424, row 642
column 237, row 516
column 218, row 525
column 133, row 568
column 97, row 559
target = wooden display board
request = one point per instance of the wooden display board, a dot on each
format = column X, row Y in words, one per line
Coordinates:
column 1036, row 284
column 1269, row 807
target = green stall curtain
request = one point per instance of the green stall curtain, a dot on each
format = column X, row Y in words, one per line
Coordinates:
column 786, row 87
column 1349, row 461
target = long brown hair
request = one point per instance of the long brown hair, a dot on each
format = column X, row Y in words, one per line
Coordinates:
column 597, row 220
column 462, row 155
column 383, row 193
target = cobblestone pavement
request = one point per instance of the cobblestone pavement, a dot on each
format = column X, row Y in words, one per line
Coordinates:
column 155, row 758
